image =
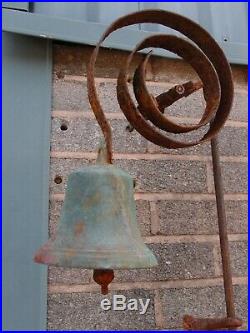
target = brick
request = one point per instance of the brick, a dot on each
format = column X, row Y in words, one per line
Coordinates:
column 70, row 96
column 81, row 135
column 63, row 167
column 200, row 302
column 73, row 60
column 83, row 312
column 237, row 216
column 200, row 149
column 69, row 275
column 143, row 216
column 108, row 97
column 55, row 209
column 70, row 59
column 152, row 176
column 175, row 261
column 73, row 95
column 199, row 217
column 172, row 70
column 233, row 141
column 241, row 302
column 192, row 106
column 85, row 134
column 240, row 107
column 239, row 258
column 125, row 141
column 170, row 176
column 235, row 177
column 175, row 70
column 187, row 217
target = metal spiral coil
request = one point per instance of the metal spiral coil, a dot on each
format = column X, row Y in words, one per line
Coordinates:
column 201, row 52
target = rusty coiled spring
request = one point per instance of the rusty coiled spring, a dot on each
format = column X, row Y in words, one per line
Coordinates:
column 207, row 59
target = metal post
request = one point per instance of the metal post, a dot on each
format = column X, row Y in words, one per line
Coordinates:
column 222, row 224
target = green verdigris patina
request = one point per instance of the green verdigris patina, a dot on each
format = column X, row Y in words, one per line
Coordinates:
column 98, row 227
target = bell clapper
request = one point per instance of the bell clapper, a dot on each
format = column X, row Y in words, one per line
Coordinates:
column 103, row 277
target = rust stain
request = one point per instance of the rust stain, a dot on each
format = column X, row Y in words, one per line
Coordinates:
column 92, row 200
column 44, row 255
column 69, row 253
column 207, row 324
column 78, row 228
column 39, row 258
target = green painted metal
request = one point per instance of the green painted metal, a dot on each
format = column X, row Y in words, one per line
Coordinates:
column 56, row 27
column 98, row 226
column 16, row 5
column 27, row 73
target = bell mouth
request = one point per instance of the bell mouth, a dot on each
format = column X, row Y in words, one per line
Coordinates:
column 102, row 262
column 77, row 258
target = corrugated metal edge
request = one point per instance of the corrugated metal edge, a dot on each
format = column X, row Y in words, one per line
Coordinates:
column 73, row 31
column 16, row 5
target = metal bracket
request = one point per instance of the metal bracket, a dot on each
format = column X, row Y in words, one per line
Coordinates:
column 208, row 60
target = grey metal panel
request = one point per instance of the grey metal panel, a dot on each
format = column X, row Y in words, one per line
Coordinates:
column 189, row 9
column 230, row 22
column 227, row 22
column 232, row 29
column 72, row 31
column 98, row 12
column 16, row 5
column 27, row 79
column 84, row 22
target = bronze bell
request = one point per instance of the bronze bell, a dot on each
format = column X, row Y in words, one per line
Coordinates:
column 98, row 228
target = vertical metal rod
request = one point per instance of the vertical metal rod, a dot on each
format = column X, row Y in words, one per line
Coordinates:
column 222, row 224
